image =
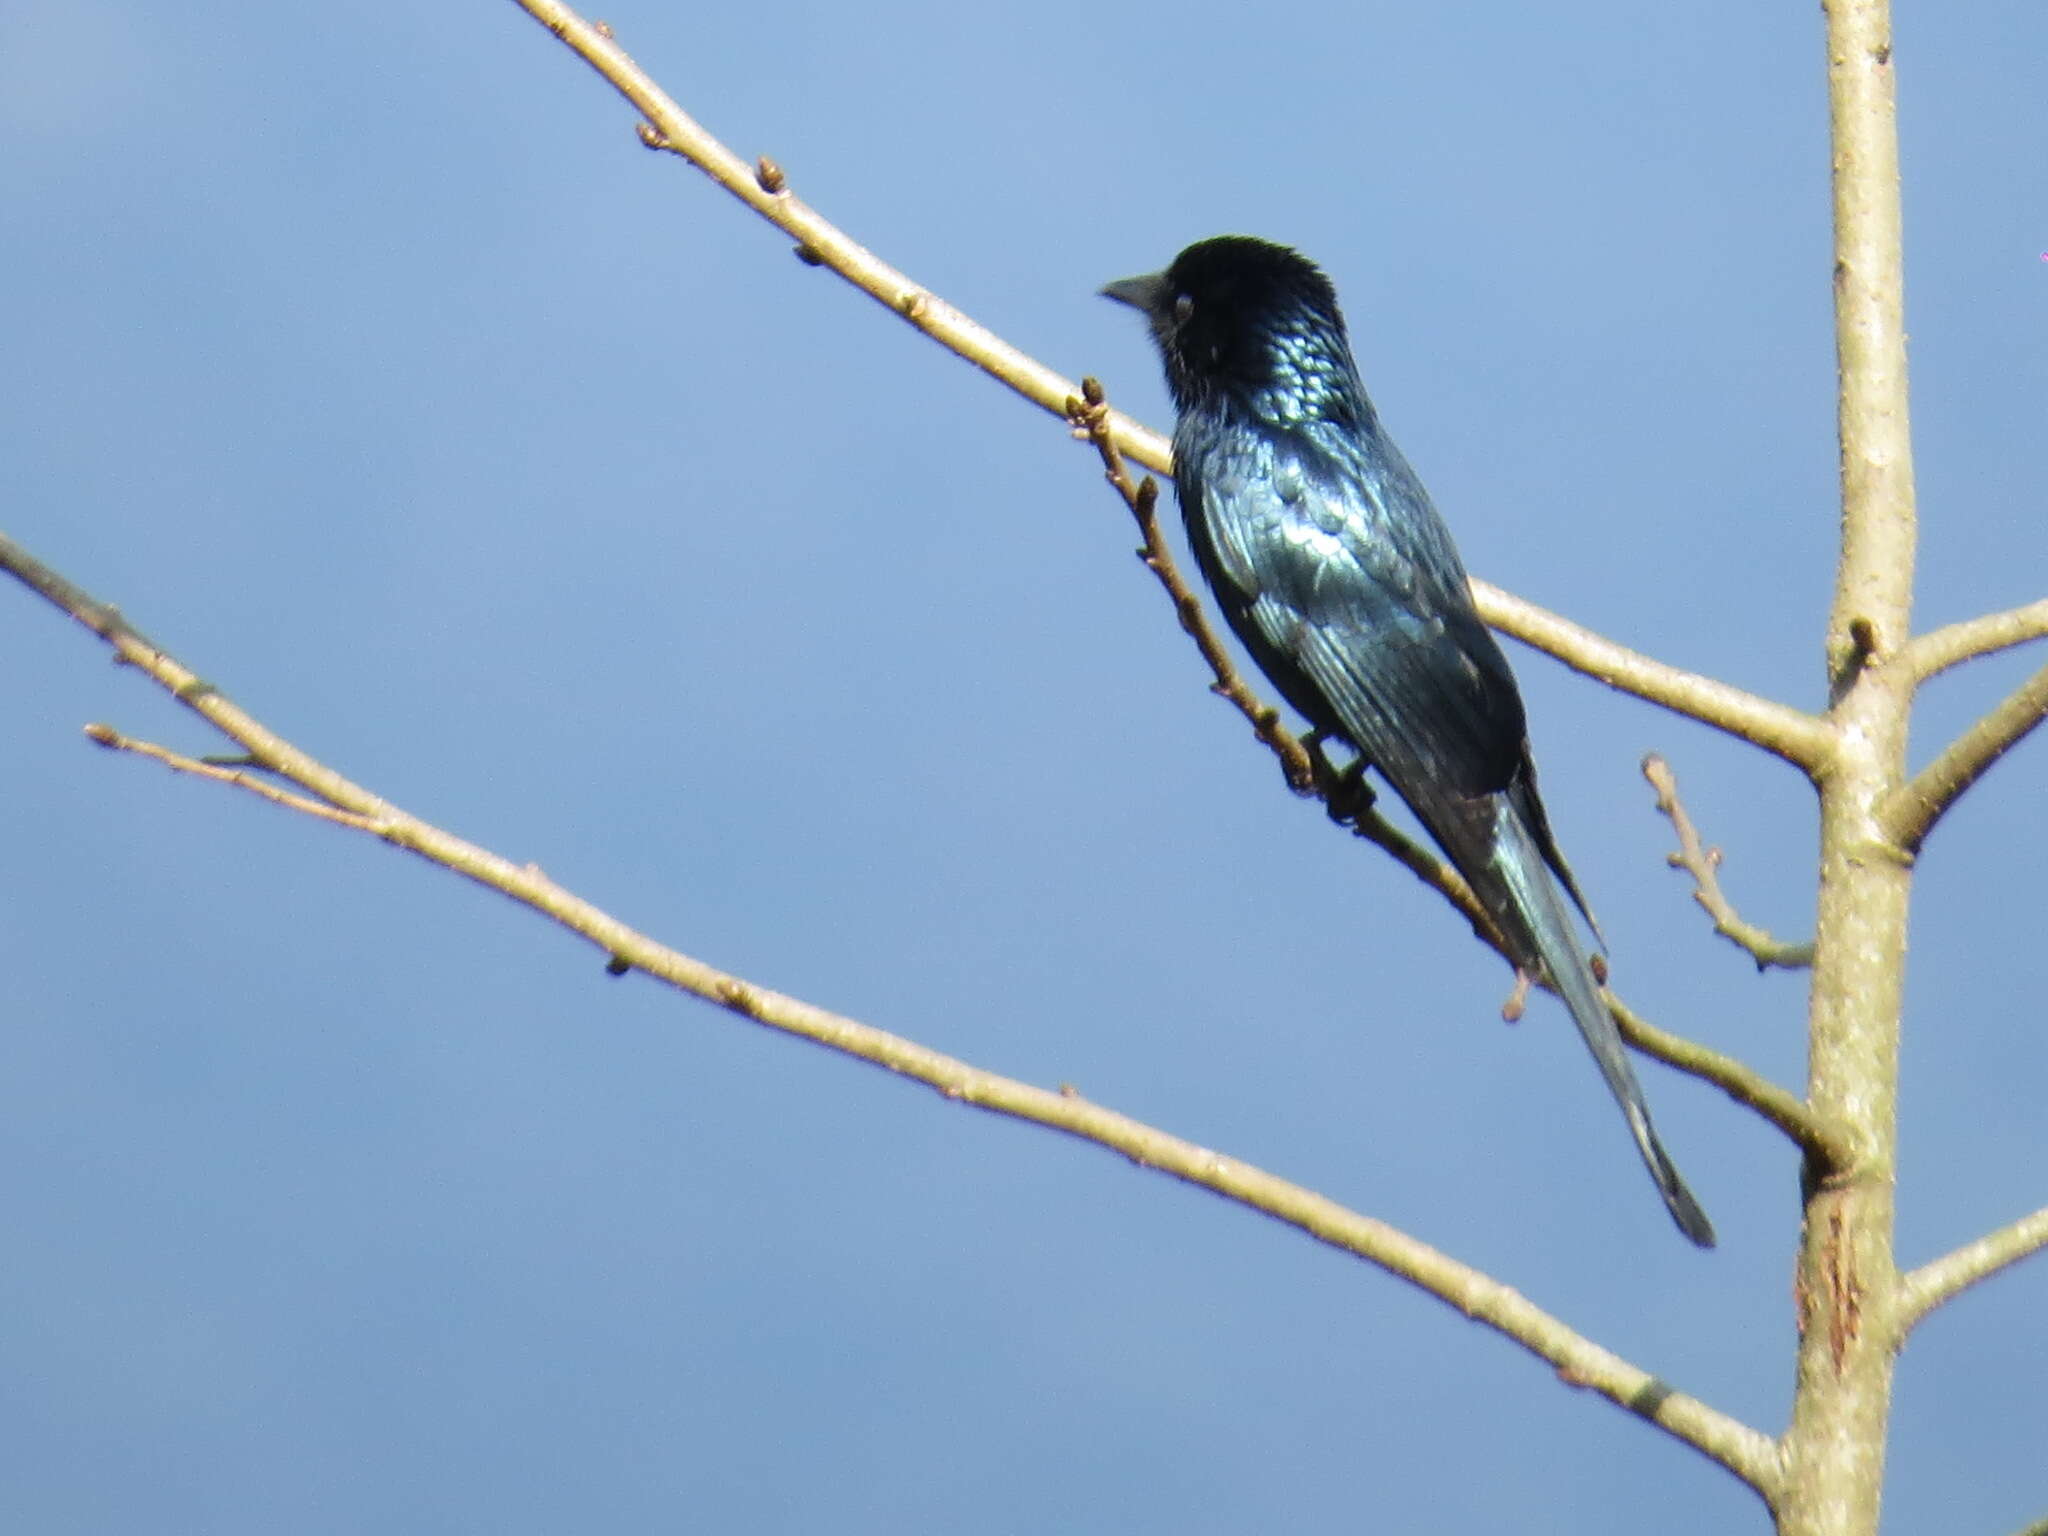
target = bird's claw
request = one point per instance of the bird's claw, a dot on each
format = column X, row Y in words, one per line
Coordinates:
column 1345, row 794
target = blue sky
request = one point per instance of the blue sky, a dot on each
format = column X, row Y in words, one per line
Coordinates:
column 369, row 364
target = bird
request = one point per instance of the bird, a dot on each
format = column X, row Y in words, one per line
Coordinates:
column 1338, row 575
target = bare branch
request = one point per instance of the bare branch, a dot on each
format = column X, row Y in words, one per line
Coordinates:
column 113, row 740
column 1095, row 421
column 1844, row 1284
column 1825, row 1144
column 1704, row 864
column 1747, row 1453
column 1935, row 652
column 1932, row 1284
column 764, row 187
column 1804, row 740
column 1910, row 813
column 1800, row 738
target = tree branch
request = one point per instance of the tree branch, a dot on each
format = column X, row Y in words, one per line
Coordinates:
column 1910, row 812
column 1704, row 864
column 1096, row 422
column 1800, row 738
column 1932, row 1284
column 1935, row 652
column 1804, row 740
column 1845, row 1281
column 764, row 187
column 1747, row 1453
column 221, row 773
column 1822, row 1143
column 1825, row 1143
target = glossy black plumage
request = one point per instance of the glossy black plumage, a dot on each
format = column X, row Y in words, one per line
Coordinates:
column 1339, row 576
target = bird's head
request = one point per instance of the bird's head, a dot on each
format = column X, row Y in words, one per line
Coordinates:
column 1242, row 317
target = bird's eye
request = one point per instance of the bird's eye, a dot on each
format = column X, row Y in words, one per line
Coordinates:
column 1183, row 306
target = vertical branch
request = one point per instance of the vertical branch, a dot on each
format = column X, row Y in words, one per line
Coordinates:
column 1874, row 581
column 1847, row 1285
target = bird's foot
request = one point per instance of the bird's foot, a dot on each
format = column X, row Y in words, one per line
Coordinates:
column 1345, row 794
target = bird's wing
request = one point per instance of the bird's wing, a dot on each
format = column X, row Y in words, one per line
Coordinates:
column 1350, row 575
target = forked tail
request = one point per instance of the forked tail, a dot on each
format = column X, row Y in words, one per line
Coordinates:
column 1549, row 929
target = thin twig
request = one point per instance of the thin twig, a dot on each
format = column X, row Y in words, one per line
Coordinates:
column 1912, row 810
column 1704, row 865
column 114, row 741
column 764, row 187
column 1094, row 420
column 1936, row 651
column 1924, row 1289
column 1750, row 1455
column 1800, row 738
column 1825, row 1144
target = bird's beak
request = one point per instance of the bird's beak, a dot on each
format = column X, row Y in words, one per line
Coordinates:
column 1147, row 293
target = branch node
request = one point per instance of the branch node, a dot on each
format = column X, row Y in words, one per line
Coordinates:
column 1855, row 656
column 617, row 965
column 769, row 178
column 738, row 996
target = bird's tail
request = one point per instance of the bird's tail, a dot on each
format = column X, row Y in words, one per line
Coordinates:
column 1538, row 907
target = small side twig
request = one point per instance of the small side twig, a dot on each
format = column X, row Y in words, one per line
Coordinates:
column 1825, row 1144
column 1802, row 739
column 1936, row 651
column 224, row 772
column 1924, row 1289
column 1704, row 865
column 1093, row 420
column 1911, row 812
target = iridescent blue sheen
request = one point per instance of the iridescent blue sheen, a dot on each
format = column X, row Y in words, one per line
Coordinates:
column 1341, row 579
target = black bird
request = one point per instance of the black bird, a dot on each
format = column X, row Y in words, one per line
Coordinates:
column 1341, row 579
